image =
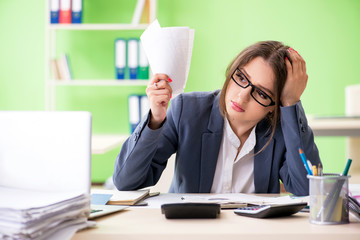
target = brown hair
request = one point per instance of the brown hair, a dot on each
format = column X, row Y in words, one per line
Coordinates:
column 272, row 52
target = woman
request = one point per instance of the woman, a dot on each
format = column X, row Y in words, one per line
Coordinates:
column 244, row 138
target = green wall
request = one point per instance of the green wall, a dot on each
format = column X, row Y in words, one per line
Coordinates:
column 325, row 32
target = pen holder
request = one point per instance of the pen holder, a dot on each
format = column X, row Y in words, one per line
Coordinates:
column 329, row 199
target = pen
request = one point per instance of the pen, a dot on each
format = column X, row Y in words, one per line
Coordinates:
column 315, row 172
column 334, row 195
column 320, row 170
column 302, row 155
column 346, row 170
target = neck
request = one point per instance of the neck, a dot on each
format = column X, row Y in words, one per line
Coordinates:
column 242, row 130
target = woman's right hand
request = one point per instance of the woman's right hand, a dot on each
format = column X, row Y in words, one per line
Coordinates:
column 159, row 93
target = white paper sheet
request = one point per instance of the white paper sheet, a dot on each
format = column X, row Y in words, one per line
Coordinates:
column 156, row 202
column 169, row 51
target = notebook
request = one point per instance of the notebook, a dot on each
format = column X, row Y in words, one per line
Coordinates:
column 50, row 150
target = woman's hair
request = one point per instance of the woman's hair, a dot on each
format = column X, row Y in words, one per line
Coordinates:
column 274, row 54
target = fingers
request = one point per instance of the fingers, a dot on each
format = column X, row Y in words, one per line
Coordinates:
column 159, row 77
column 288, row 66
column 297, row 66
column 159, row 85
column 296, row 81
column 159, row 93
column 296, row 60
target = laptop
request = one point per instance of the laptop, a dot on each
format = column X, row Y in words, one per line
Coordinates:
column 48, row 151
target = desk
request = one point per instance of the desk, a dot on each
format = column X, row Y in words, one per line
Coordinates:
column 149, row 223
column 137, row 223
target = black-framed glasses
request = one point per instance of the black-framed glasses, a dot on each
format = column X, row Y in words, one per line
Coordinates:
column 256, row 93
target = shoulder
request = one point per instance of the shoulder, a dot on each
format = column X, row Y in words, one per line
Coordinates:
column 194, row 104
column 195, row 98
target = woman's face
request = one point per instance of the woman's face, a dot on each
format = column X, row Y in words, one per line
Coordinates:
column 241, row 107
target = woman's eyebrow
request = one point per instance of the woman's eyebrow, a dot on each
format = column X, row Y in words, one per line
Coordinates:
column 259, row 86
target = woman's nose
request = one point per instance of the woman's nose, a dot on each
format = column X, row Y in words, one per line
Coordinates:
column 245, row 94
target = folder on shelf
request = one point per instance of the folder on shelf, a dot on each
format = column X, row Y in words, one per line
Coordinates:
column 64, row 68
column 145, row 17
column 139, row 8
column 134, row 111
column 54, row 11
column 76, row 11
column 144, row 105
column 143, row 71
column 132, row 58
column 55, row 69
column 120, row 58
column 65, row 11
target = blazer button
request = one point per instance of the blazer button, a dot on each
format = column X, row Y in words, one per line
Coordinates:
column 136, row 136
column 300, row 120
column 303, row 129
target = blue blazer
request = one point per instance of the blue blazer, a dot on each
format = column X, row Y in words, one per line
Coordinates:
column 193, row 130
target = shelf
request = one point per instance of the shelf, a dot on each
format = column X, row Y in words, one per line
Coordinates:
column 107, row 26
column 102, row 143
column 104, row 82
column 345, row 126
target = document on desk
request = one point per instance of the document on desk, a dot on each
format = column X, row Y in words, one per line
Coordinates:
column 223, row 199
column 243, row 198
column 169, row 51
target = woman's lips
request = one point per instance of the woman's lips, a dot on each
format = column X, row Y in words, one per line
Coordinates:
column 237, row 107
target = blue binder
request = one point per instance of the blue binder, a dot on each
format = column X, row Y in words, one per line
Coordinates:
column 76, row 11
column 134, row 111
column 133, row 57
column 120, row 58
column 144, row 105
column 54, row 11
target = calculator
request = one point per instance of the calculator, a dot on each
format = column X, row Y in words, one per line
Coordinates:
column 270, row 211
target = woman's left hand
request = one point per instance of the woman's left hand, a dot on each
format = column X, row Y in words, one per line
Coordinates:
column 296, row 79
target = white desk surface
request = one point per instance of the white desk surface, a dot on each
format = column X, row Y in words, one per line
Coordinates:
column 145, row 223
column 150, row 223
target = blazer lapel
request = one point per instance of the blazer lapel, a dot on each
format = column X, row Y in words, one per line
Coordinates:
column 210, row 147
column 263, row 160
column 209, row 154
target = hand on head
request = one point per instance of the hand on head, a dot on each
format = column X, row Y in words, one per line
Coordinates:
column 296, row 79
column 159, row 93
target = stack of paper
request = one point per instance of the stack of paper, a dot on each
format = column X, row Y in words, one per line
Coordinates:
column 28, row 214
column 169, row 51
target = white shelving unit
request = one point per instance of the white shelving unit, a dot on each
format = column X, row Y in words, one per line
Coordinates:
column 100, row 143
column 98, row 26
column 99, row 82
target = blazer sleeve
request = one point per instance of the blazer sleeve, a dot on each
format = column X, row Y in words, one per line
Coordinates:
column 144, row 155
column 297, row 134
